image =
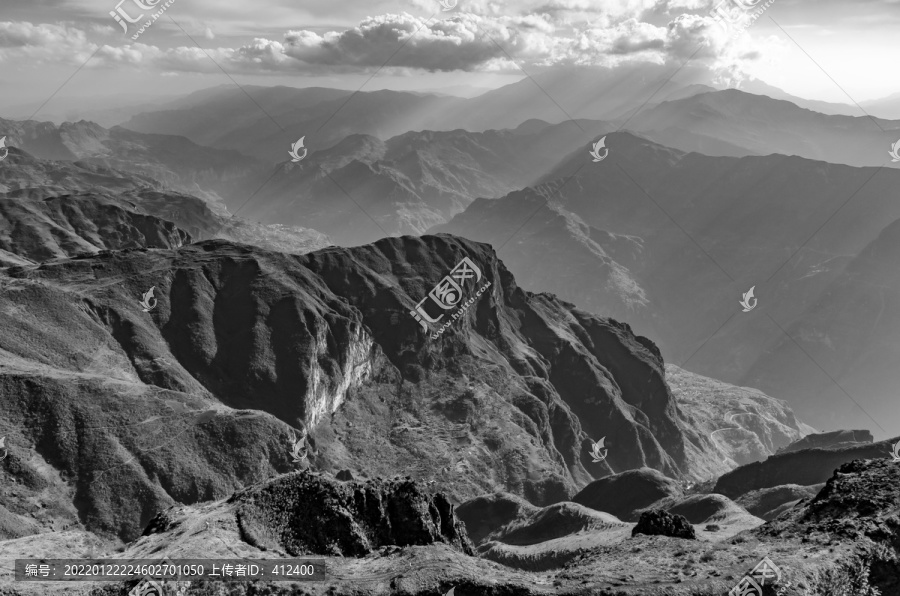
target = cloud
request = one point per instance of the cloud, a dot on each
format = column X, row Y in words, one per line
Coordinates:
column 464, row 41
column 403, row 40
column 43, row 42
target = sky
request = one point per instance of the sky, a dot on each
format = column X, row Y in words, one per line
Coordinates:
column 57, row 51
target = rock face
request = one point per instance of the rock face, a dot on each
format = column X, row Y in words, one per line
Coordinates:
column 305, row 513
column 806, row 467
column 623, row 495
column 659, row 522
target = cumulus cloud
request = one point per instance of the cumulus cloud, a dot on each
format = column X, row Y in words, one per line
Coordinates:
column 479, row 38
column 43, row 42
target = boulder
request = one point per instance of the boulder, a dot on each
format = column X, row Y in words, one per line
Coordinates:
column 305, row 513
column 658, row 522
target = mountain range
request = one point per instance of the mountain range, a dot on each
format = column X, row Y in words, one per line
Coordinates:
column 363, row 188
column 523, row 370
column 651, row 232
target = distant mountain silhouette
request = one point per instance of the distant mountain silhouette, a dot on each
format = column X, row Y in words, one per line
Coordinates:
column 174, row 162
column 411, row 182
column 266, row 124
column 762, row 126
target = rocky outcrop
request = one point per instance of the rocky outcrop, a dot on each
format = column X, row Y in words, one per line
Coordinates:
column 830, row 440
column 858, row 509
column 305, row 513
column 658, row 522
column 806, row 467
column 625, row 494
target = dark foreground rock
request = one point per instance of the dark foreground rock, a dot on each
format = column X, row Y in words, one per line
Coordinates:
column 308, row 513
column 658, row 522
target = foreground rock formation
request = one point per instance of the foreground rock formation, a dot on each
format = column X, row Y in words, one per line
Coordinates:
column 306, row 513
column 659, row 522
